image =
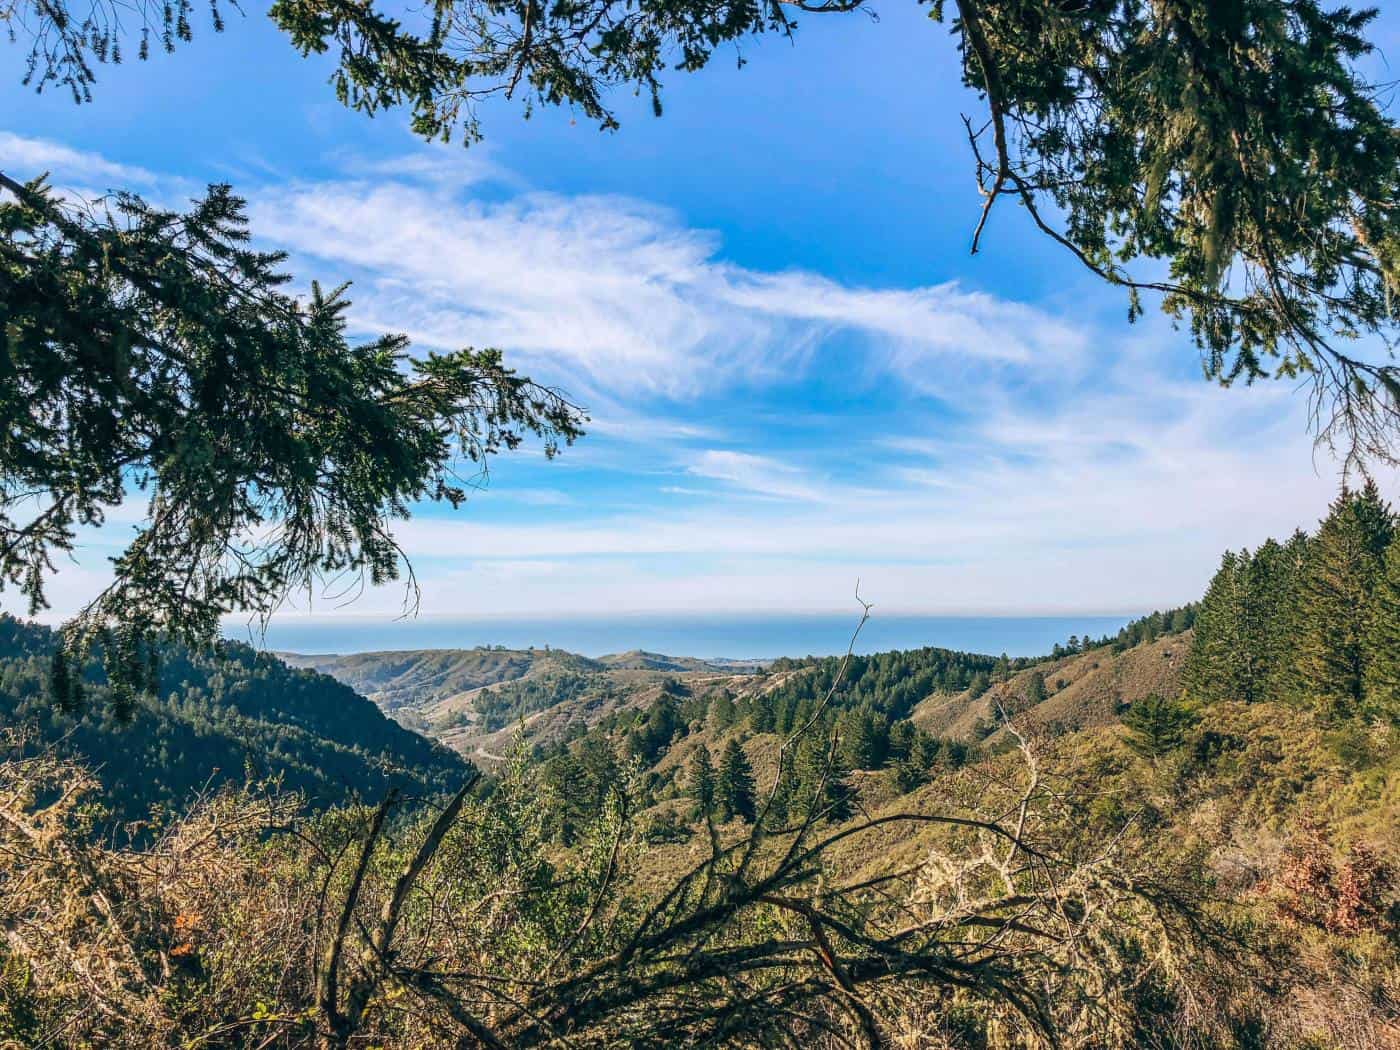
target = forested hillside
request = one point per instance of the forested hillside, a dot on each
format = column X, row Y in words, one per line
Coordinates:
column 216, row 719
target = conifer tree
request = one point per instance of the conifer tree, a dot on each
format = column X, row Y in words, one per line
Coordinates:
column 1035, row 683
column 1343, row 567
column 736, row 783
column 568, row 783
column 859, row 746
column 701, row 785
column 1157, row 726
column 721, row 714
column 821, row 780
column 1215, row 668
column 1381, row 682
column 1243, row 628
column 1283, row 681
column 154, row 354
column 1270, row 593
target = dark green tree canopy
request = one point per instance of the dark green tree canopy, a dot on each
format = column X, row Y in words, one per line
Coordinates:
column 1231, row 160
column 1157, row 726
column 150, row 352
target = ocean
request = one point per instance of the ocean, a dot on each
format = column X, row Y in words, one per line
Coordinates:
column 709, row 637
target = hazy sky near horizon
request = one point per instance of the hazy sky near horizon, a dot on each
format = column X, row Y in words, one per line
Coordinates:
column 797, row 374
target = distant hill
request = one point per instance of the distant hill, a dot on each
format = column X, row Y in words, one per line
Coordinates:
column 474, row 700
column 641, row 660
column 414, row 682
column 477, row 701
column 217, row 718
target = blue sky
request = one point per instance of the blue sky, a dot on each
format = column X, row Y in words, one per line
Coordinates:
column 797, row 373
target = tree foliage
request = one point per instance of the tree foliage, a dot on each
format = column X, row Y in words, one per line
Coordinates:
column 701, row 785
column 1382, row 674
column 1157, row 726
column 213, row 719
column 735, row 785
column 1239, row 144
column 1230, row 159
column 1313, row 620
column 1342, row 569
column 153, row 353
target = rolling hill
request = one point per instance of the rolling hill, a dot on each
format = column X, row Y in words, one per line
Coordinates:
column 218, row 718
column 474, row 700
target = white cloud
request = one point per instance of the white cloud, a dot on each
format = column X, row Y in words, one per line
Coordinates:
column 619, row 296
column 24, row 158
column 762, row 475
column 1032, row 464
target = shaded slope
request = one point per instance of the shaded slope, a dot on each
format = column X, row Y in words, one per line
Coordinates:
column 217, row 718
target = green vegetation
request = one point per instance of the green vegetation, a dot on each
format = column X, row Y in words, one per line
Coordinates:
column 1157, row 726
column 735, row 787
column 989, row 893
column 155, row 351
column 1311, row 620
column 212, row 720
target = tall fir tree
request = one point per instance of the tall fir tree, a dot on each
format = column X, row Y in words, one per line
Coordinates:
column 721, row 712
column 822, row 787
column 1283, row 683
column 735, row 787
column 1344, row 565
column 1271, row 586
column 1157, row 726
column 859, row 746
column 1215, row 668
column 1243, row 631
column 1035, row 682
column 701, row 786
column 1381, row 680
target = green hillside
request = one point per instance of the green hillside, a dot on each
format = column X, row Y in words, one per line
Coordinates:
column 216, row 719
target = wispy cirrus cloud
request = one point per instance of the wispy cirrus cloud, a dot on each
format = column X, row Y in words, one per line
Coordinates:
column 623, row 295
column 760, row 475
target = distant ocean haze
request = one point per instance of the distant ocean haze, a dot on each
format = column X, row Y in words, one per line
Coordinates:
column 709, row 637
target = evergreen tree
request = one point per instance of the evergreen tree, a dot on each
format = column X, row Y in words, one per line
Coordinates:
column 145, row 343
column 1157, row 726
column 701, row 786
column 1035, row 683
column 1344, row 564
column 568, row 783
column 1215, row 667
column 736, row 784
column 1382, row 676
column 1283, row 677
column 1270, row 593
column 859, row 746
column 821, row 779
column 721, row 714
column 906, row 775
column 61, row 681
column 903, row 737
